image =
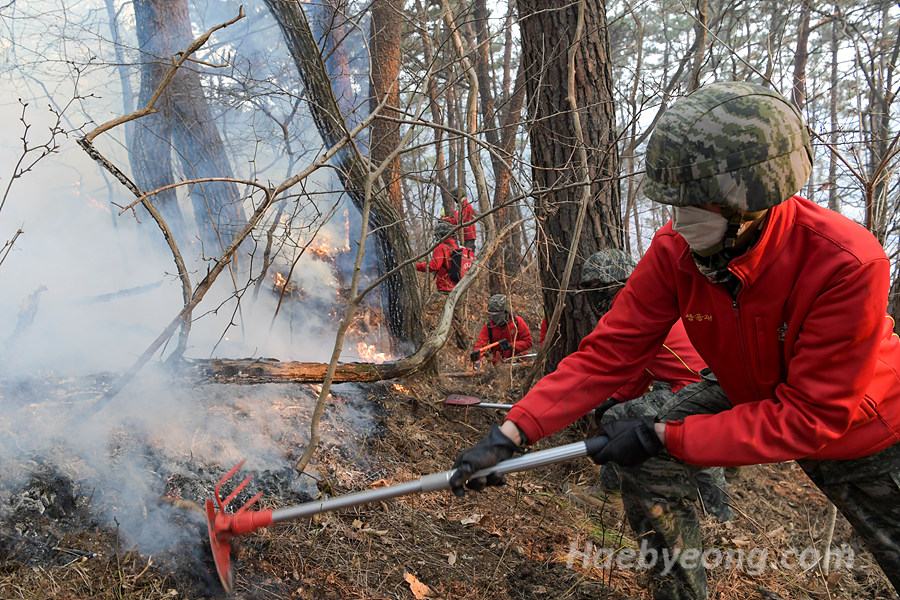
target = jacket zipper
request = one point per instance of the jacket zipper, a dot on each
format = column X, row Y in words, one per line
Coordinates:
column 748, row 369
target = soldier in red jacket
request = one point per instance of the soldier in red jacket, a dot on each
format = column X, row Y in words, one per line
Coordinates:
column 785, row 301
column 440, row 257
column 504, row 327
column 468, row 218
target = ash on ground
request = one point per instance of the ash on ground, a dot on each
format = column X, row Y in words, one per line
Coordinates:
column 135, row 476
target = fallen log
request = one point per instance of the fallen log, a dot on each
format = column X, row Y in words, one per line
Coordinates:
column 266, row 370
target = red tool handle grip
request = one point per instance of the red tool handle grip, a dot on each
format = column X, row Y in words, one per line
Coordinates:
column 491, row 345
column 249, row 521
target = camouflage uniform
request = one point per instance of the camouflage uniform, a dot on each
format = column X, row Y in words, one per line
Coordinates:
column 866, row 491
column 709, row 481
column 659, row 496
column 608, row 267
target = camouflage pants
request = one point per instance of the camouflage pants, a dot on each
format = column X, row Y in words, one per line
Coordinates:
column 659, row 498
column 710, row 481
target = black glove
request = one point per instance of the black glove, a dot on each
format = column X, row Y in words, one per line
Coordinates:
column 607, row 404
column 476, row 354
column 631, row 442
column 505, row 346
column 492, row 448
column 593, row 418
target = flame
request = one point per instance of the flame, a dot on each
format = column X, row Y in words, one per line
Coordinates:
column 399, row 388
column 92, row 202
column 280, row 281
column 369, row 354
column 323, row 247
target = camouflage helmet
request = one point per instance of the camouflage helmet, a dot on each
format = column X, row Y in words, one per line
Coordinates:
column 498, row 303
column 738, row 145
column 607, row 266
column 442, row 229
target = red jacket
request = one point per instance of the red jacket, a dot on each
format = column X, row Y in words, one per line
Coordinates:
column 516, row 334
column 440, row 264
column 677, row 364
column 805, row 353
column 468, row 216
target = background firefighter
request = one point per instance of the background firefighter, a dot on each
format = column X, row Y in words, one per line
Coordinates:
column 504, row 327
column 467, row 211
column 440, row 257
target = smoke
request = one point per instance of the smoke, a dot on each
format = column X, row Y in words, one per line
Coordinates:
column 157, row 439
column 86, row 290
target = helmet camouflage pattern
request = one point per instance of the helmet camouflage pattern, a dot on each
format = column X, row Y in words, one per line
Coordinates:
column 738, row 145
column 607, row 266
column 442, row 229
column 498, row 303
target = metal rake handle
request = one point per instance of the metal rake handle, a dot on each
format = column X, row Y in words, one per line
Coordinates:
column 441, row 481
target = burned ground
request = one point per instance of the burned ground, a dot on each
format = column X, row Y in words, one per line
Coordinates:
column 68, row 531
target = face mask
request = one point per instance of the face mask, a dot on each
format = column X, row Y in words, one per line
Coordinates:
column 701, row 229
column 498, row 318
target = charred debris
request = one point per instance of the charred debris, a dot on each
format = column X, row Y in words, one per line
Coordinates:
column 129, row 484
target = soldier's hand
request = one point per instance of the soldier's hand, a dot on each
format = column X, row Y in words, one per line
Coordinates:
column 594, row 417
column 492, row 448
column 505, row 346
column 631, row 442
column 600, row 410
column 476, row 354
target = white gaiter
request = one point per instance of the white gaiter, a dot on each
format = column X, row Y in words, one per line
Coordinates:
column 701, row 229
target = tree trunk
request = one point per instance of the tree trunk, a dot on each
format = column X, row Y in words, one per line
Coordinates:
column 798, row 93
column 185, row 123
column 150, row 147
column 507, row 261
column 700, row 28
column 834, row 201
column 448, row 202
column 546, row 30
column 401, row 300
column 384, row 50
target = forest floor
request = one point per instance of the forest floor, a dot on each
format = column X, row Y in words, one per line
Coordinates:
column 525, row 540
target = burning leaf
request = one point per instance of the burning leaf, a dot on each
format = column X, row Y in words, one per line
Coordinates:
column 419, row 589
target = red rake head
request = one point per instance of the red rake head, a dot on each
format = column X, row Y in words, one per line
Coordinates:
column 222, row 527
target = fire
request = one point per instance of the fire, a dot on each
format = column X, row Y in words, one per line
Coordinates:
column 399, row 388
column 280, row 281
column 369, row 354
column 323, row 247
column 93, row 202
